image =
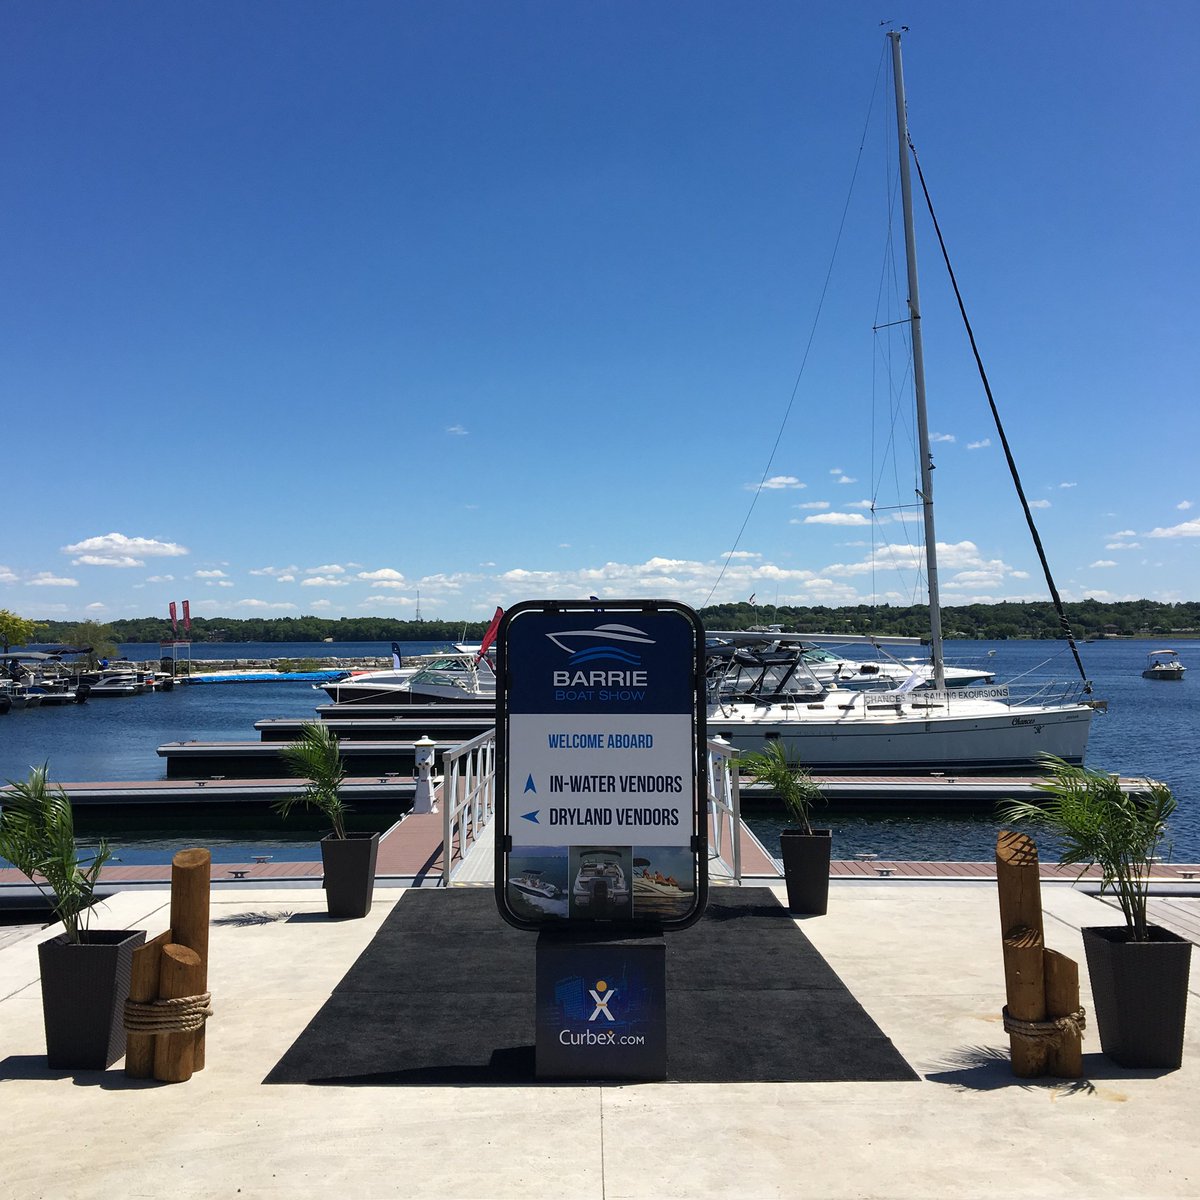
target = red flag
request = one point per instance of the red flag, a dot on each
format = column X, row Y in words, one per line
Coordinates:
column 187, row 618
column 490, row 636
column 174, row 620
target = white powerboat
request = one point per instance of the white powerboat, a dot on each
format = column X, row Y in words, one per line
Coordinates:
column 532, row 884
column 841, row 669
column 1163, row 664
column 440, row 678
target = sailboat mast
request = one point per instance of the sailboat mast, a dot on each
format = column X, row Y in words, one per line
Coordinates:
column 914, row 309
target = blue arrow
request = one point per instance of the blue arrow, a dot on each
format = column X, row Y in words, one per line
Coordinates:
column 529, row 785
column 531, row 816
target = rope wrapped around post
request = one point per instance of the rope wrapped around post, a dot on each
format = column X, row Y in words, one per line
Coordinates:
column 1055, row 1030
column 184, row 1014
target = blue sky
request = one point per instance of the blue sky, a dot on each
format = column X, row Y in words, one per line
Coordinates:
column 313, row 307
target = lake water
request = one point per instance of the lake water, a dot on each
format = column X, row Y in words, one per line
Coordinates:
column 1150, row 728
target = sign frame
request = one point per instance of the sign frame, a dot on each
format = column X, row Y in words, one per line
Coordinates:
column 688, row 689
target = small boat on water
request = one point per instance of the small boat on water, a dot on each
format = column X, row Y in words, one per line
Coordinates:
column 462, row 675
column 532, row 884
column 36, row 680
column 1163, row 664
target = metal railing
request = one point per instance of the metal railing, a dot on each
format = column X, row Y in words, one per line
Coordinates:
column 724, row 801
column 467, row 797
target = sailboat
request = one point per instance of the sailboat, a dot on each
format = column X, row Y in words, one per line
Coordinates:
column 828, row 727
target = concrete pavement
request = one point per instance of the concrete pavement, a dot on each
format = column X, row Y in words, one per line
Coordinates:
column 922, row 958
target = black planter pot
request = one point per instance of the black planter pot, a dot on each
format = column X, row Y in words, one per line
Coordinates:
column 806, row 869
column 1139, row 990
column 84, row 989
column 349, row 864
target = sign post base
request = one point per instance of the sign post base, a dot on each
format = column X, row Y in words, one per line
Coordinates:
column 601, row 1006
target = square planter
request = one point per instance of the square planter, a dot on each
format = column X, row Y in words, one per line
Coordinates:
column 1139, row 990
column 84, row 989
column 806, row 869
column 349, row 865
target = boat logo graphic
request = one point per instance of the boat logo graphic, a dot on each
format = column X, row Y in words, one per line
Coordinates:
column 614, row 643
column 601, row 994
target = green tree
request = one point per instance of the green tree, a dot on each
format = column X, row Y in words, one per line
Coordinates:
column 15, row 631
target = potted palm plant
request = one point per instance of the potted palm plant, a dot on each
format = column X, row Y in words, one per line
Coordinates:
column 348, row 858
column 805, row 850
column 85, row 971
column 1139, row 971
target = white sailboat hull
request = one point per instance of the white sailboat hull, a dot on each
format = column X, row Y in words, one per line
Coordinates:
column 981, row 737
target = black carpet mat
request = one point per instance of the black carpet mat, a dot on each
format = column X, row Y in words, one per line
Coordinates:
column 444, row 995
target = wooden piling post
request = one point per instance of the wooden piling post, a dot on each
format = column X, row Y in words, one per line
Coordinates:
column 143, row 988
column 191, row 885
column 1019, row 888
column 180, row 972
column 1062, row 1000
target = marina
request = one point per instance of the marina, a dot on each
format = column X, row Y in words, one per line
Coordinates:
column 110, row 748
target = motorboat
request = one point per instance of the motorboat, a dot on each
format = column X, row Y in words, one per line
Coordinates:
column 600, row 883
column 116, row 682
column 839, row 669
column 921, row 723
column 461, row 675
column 1163, row 664
column 33, row 679
column 532, row 884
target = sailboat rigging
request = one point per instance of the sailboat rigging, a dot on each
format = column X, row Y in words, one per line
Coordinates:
column 831, row 727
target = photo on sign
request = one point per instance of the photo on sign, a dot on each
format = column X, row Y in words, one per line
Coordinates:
column 537, row 881
column 601, row 882
column 664, row 885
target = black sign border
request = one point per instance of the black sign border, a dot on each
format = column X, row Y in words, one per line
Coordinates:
column 699, row 834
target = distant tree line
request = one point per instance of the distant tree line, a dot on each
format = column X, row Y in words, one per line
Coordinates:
column 1088, row 618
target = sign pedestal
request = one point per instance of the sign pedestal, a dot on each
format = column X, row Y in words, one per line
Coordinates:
column 601, row 1006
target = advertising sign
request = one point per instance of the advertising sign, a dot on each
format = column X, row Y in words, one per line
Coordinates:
column 600, row 764
column 601, row 1008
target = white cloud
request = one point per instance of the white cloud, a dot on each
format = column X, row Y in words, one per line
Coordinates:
column 118, row 550
column 1123, row 533
column 1187, row 529
column 263, row 604
column 775, row 483
column 457, row 430
column 846, row 479
column 8, row 575
column 1103, row 562
column 836, row 518
column 327, row 569
column 213, row 574
column 1068, row 485
column 382, row 574
column 45, row 579
column 860, row 504
column 1184, row 505
column 1123, row 545
column 1039, row 504
column 274, row 570
column 814, row 504
column 324, row 581
column 733, row 554
column 160, row 578
column 942, row 437
column 101, row 560
column 982, row 444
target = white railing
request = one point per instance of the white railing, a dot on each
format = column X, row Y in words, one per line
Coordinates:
column 467, row 797
column 725, row 800
column 467, row 800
